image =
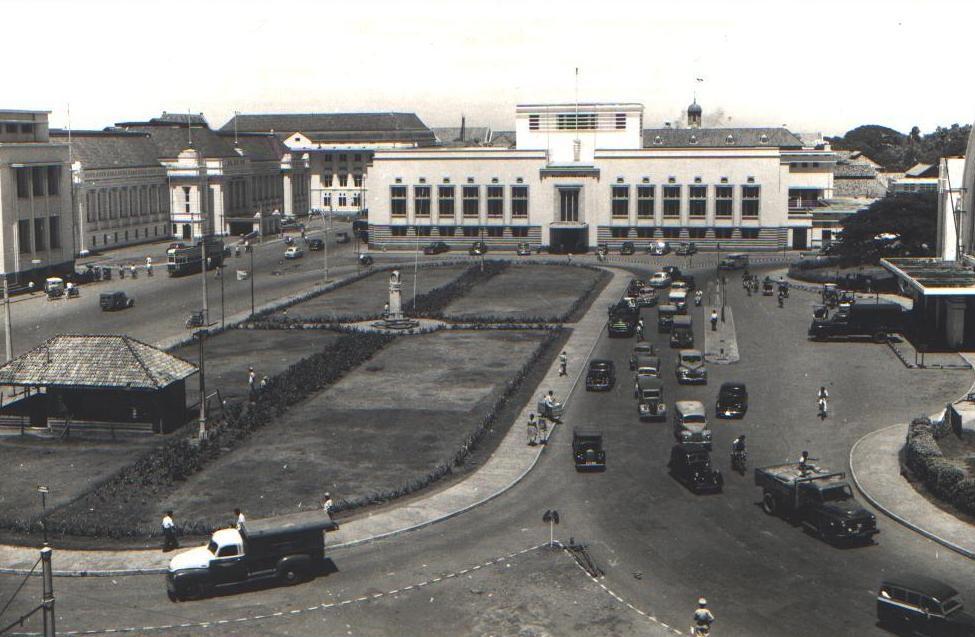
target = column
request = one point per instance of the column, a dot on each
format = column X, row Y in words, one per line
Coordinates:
column 289, row 209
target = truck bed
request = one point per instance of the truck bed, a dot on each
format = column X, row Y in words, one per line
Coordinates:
column 788, row 475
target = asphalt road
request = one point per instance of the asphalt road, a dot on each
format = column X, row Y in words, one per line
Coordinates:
column 660, row 546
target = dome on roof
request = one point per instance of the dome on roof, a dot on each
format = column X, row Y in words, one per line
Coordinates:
column 694, row 108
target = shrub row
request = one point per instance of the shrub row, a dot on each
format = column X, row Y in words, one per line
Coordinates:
column 945, row 479
column 102, row 511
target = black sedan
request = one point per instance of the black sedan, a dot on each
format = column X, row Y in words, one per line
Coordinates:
column 437, row 247
column 690, row 464
column 732, row 400
column 601, row 375
column 627, row 248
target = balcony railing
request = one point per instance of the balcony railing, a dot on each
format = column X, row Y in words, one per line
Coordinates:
column 799, row 205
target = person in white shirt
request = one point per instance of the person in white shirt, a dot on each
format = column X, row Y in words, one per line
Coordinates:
column 240, row 519
column 327, row 504
column 169, row 532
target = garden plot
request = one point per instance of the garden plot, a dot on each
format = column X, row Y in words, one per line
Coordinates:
column 390, row 422
column 367, row 296
column 526, row 293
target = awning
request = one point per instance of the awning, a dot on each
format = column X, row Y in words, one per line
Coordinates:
column 932, row 277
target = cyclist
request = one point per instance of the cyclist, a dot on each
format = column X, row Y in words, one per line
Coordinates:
column 822, row 399
column 703, row 618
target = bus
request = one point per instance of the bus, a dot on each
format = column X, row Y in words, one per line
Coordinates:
column 186, row 260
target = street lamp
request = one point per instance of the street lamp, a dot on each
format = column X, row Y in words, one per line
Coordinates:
column 201, row 334
column 325, row 235
column 43, row 490
column 8, row 337
column 251, row 250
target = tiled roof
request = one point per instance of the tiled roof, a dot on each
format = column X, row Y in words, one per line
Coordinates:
column 338, row 127
column 473, row 135
column 845, row 170
column 503, row 138
column 921, row 170
column 718, row 137
column 172, row 139
column 110, row 149
column 197, row 119
column 257, row 146
column 102, row 361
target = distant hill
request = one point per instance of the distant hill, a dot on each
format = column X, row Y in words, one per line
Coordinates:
column 896, row 151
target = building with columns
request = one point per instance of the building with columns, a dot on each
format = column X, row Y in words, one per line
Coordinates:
column 580, row 175
column 36, row 222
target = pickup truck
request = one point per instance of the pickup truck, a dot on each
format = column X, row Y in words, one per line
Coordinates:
column 876, row 320
column 622, row 320
column 819, row 499
column 601, row 375
column 288, row 548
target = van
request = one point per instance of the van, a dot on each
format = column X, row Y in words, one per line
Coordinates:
column 678, row 298
column 691, row 423
column 665, row 317
column 650, row 398
column 682, row 332
column 915, row 604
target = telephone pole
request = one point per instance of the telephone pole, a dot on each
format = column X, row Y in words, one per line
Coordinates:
column 47, row 601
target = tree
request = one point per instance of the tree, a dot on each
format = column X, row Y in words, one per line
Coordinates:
column 896, row 226
column 915, row 135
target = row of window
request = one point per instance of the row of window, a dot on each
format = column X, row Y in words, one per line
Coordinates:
column 120, row 203
column 676, row 233
column 38, row 181
column 23, row 128
column 470, row 201
column 342, row 200
column 577, row 121
column 465, row 231
column 105, row 242
column 267, row 189
column 342, row 157
column 341, row 181
column 697, row 200
column 51, row 226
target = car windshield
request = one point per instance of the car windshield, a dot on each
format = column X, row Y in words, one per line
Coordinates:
column 951, row 606
column 837, row 493
column 694, row 419
column 691, row 359
column 733, row 391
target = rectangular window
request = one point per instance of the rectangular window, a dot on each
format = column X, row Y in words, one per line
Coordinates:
column 90, row 206
column 621, row 202
column 644, row 202
column 357, row 181
column 749, row 200
column 343, row 157
column 357, row 199
column 445, row 201
column 23, row 183
column 575, row 121
column 519, row 201
column 472, row 232
column 749, row 233
column 39, row 243
column 671, row 233
column 671, row 201
column 343, row 181
column 447, row 231
column 644, row 233
column 398, row 231
column 421, row 201
column 186, row 199
column 422, row 231
column 327, row 200
column 519, row 231
column 534, row 121
column 37, row 177
column 357, row 157
column 397, row 201
column 723, row 233
column 621, row 121
column 495, row 201
column 53, row 180
column 698, row 197
column 26, row 128
column 495, row 232
column 23, row 236
column 723, row 200
column 54, row 225
column 619, row 233
column 471, row 201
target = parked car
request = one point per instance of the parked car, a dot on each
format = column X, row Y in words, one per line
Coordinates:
column 478, row 248
column 316, row 245
column 732, row 400
column 587, row 450
column 524, row 250
column 691, row 423
column 294, row 252
column 118, row 300
column 627, row 248
column 735, row 261
column 659, row 280
column 650, row 398
column 601, row 375
column 690, row 464
column 437, row 247
column 686, row 249
column 909, row 604
column 643, row 348
column 659, row 248
column 690, row 367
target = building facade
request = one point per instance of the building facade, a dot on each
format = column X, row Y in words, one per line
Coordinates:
column 589, row 174
column 37, row 232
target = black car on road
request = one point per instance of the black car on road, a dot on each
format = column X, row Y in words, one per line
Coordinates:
column 587, row 450
column 686, row 249
column 672, row 270
column 732, row 400
column 910, row 604
column 437, row 247
column 601, row 375
column 627, row 248
column 316, row 245
column 478, row 248
column 111, row 301
column 690, row 464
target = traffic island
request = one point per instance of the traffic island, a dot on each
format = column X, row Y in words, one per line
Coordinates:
column 720, row 344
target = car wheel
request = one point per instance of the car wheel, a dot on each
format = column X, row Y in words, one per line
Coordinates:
column 768, row 503
column 290, row 576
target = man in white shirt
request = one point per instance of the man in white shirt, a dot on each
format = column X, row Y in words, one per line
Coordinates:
column 169, row 532
column 240, row 519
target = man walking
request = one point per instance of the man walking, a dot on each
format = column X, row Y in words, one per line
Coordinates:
column 639, row 330
column 563, row 363
column 148, row 266
column 542, row 430
column 714, row 320
column 251, row 383
column 327, row 504
column 240, row 519
column 532, row 431
column 169, row 533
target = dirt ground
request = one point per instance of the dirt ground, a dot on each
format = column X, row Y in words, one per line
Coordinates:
column 368, row 295
column 526, row 292
column 371, row 432
column 269, row 352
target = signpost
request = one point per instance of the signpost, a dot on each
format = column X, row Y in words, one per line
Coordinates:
column 43, row 490
column 552, row 517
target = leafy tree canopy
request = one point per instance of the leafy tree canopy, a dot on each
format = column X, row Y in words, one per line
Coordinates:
column 896, row 151
column 896, row 226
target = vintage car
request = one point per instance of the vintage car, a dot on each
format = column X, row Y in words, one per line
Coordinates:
column 437, row 247
column 587, row 450
column 678, row 284
column 293, row 252
column 691, row 423
column 659, row 280
column 665, row 317
column 478, row 248
column 111, row 301
column 688, row 280
column 686, row 249
column 342, row 237
column 627, row 248
column 690, row 464
column 690, row 367
column 524, row 250
column 646, row 297
column 634, row 286
column 672, row 270
column 910, row 604
column 658, row 249
column 682, row 332
column 650, row 398
column 735, row 261
column 732, row 400
column 601, row 375
column 643, row 348
column 646, row 366
column 316, row 245
column 678, row 298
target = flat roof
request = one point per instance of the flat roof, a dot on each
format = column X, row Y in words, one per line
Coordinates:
column 933, row 277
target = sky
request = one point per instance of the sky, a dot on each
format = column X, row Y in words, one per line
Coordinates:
column 820, row 65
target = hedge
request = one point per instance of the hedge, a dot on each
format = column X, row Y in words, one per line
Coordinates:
column 948, row 480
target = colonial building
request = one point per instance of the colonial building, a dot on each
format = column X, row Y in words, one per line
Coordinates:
column 338, row 147
column 120, row 194
column 37, row 232
column 583, row 174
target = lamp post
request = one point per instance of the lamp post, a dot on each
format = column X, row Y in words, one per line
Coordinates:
column 325, row 236
column 8, row 337
column 43, row 490
column 201, row 334
column 251, row 250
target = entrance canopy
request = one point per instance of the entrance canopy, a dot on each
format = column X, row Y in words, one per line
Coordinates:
column 932, row 277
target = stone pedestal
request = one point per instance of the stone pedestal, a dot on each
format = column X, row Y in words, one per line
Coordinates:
column 394, row 319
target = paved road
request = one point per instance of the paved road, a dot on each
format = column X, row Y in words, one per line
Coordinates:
column 660, row 546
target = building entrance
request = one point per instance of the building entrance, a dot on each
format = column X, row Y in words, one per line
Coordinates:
column 799, row 239
column 568, row 240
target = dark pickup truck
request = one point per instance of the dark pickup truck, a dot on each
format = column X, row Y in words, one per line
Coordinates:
column 601, row 375
column 876, row 320
column 587, row 450
column 287, row 548
column 817, row 498
column 622, row 320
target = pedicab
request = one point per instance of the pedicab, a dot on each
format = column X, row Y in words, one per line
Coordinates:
column 767, row 287
column 550, row 410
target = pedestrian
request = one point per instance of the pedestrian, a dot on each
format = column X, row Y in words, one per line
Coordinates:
column 542, row 430
column 264, row 381
column 251, row 383
column 804, row 462
column 821, row 398
column 121, row 271
column 563, row 363
column 240, row 519
column 714, row 320
column 327, row 504
column 132, row 271
column 385, row 310
column 532, row 431
column 639, row 330
column 169, row 533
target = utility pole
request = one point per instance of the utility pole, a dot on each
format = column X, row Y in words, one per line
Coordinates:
column 48, row 592
column 203, row 263
column 8, row 337
column 251, row 249
column 203, row 388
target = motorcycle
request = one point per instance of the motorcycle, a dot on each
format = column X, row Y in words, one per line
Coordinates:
column 698, row 297
column 739, row 461
column 195, row 320
column 365, row 259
